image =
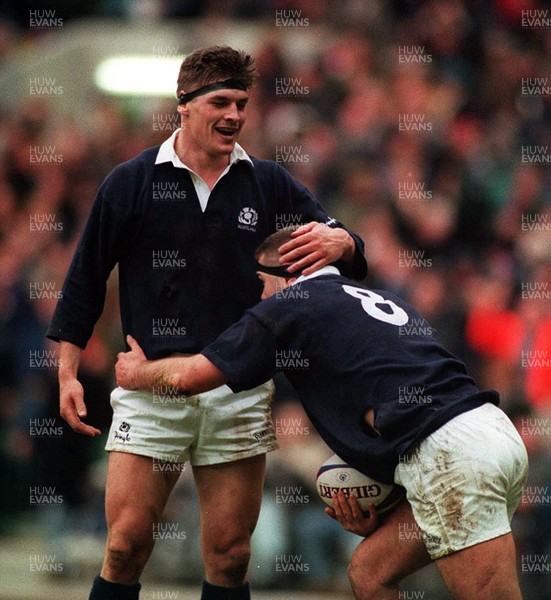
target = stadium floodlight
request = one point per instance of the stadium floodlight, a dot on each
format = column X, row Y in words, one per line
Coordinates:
column 136, row 75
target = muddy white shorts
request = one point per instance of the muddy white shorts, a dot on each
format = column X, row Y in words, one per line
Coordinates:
column 214, row 427
column 464, row 481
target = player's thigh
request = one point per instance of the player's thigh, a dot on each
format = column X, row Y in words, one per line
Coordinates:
column 393, row 551
column 230, row 496
column 486, row 571
column 136, row 492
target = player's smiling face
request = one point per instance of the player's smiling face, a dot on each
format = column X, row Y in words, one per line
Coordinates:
column 212, row 122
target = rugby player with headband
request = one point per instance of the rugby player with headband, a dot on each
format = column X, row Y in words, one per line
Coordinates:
column 181, row 221
column 447, row 443
column 228, row 84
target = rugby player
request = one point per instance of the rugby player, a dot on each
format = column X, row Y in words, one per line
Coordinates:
column 393, row 403
column 181, row 221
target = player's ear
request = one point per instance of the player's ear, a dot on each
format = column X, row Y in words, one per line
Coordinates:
column 182, row 108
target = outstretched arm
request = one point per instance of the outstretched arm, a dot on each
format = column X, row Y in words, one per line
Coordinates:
column 189, row 374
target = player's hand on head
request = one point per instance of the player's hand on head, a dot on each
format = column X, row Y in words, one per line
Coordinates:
column 314, row 246
column 348, row 513
column 72, row 407
column 129, row 365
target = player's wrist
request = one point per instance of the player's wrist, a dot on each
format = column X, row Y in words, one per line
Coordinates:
column 349, row 247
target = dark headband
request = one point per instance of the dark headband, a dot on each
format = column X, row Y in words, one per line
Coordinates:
column 279, row 271
column 232, row 84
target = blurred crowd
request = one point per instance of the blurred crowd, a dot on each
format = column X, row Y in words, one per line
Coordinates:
column 422, row 125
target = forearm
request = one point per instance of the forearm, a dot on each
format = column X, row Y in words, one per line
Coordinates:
column 69, row 360
column 188, row 374
column 165, row 372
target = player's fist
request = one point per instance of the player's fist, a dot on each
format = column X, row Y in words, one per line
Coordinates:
column 129, row 365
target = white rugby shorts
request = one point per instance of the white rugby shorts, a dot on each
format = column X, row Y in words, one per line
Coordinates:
column 210, row 428
column 464, row 481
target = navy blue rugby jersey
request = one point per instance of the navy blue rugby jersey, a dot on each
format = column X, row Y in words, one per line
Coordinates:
column 184, row 275
column 347, row 349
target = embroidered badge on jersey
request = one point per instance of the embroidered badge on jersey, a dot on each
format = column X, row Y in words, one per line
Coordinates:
column 247, row 219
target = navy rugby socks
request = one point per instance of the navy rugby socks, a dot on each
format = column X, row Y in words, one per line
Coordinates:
column 106, row 590
column 214, row 592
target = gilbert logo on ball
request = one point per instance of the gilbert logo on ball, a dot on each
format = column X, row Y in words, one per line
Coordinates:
column 336, row 476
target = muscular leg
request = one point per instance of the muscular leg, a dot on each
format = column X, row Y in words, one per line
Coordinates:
column 135, row 499
column 390, row 553
column 229, row 495
column 486, row 571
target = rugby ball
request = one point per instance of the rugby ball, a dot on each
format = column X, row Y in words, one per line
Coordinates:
column 335, row 475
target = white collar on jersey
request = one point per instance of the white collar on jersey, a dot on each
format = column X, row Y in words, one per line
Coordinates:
column 167, row 153
column 328, row 270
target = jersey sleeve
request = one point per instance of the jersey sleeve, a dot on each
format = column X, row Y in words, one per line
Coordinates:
column 245, row 353
column 83, row 293
column 302, row 202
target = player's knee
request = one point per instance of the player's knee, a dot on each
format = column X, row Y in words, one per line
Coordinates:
column 366, row 583
column 127, row 549
column 229, row 558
